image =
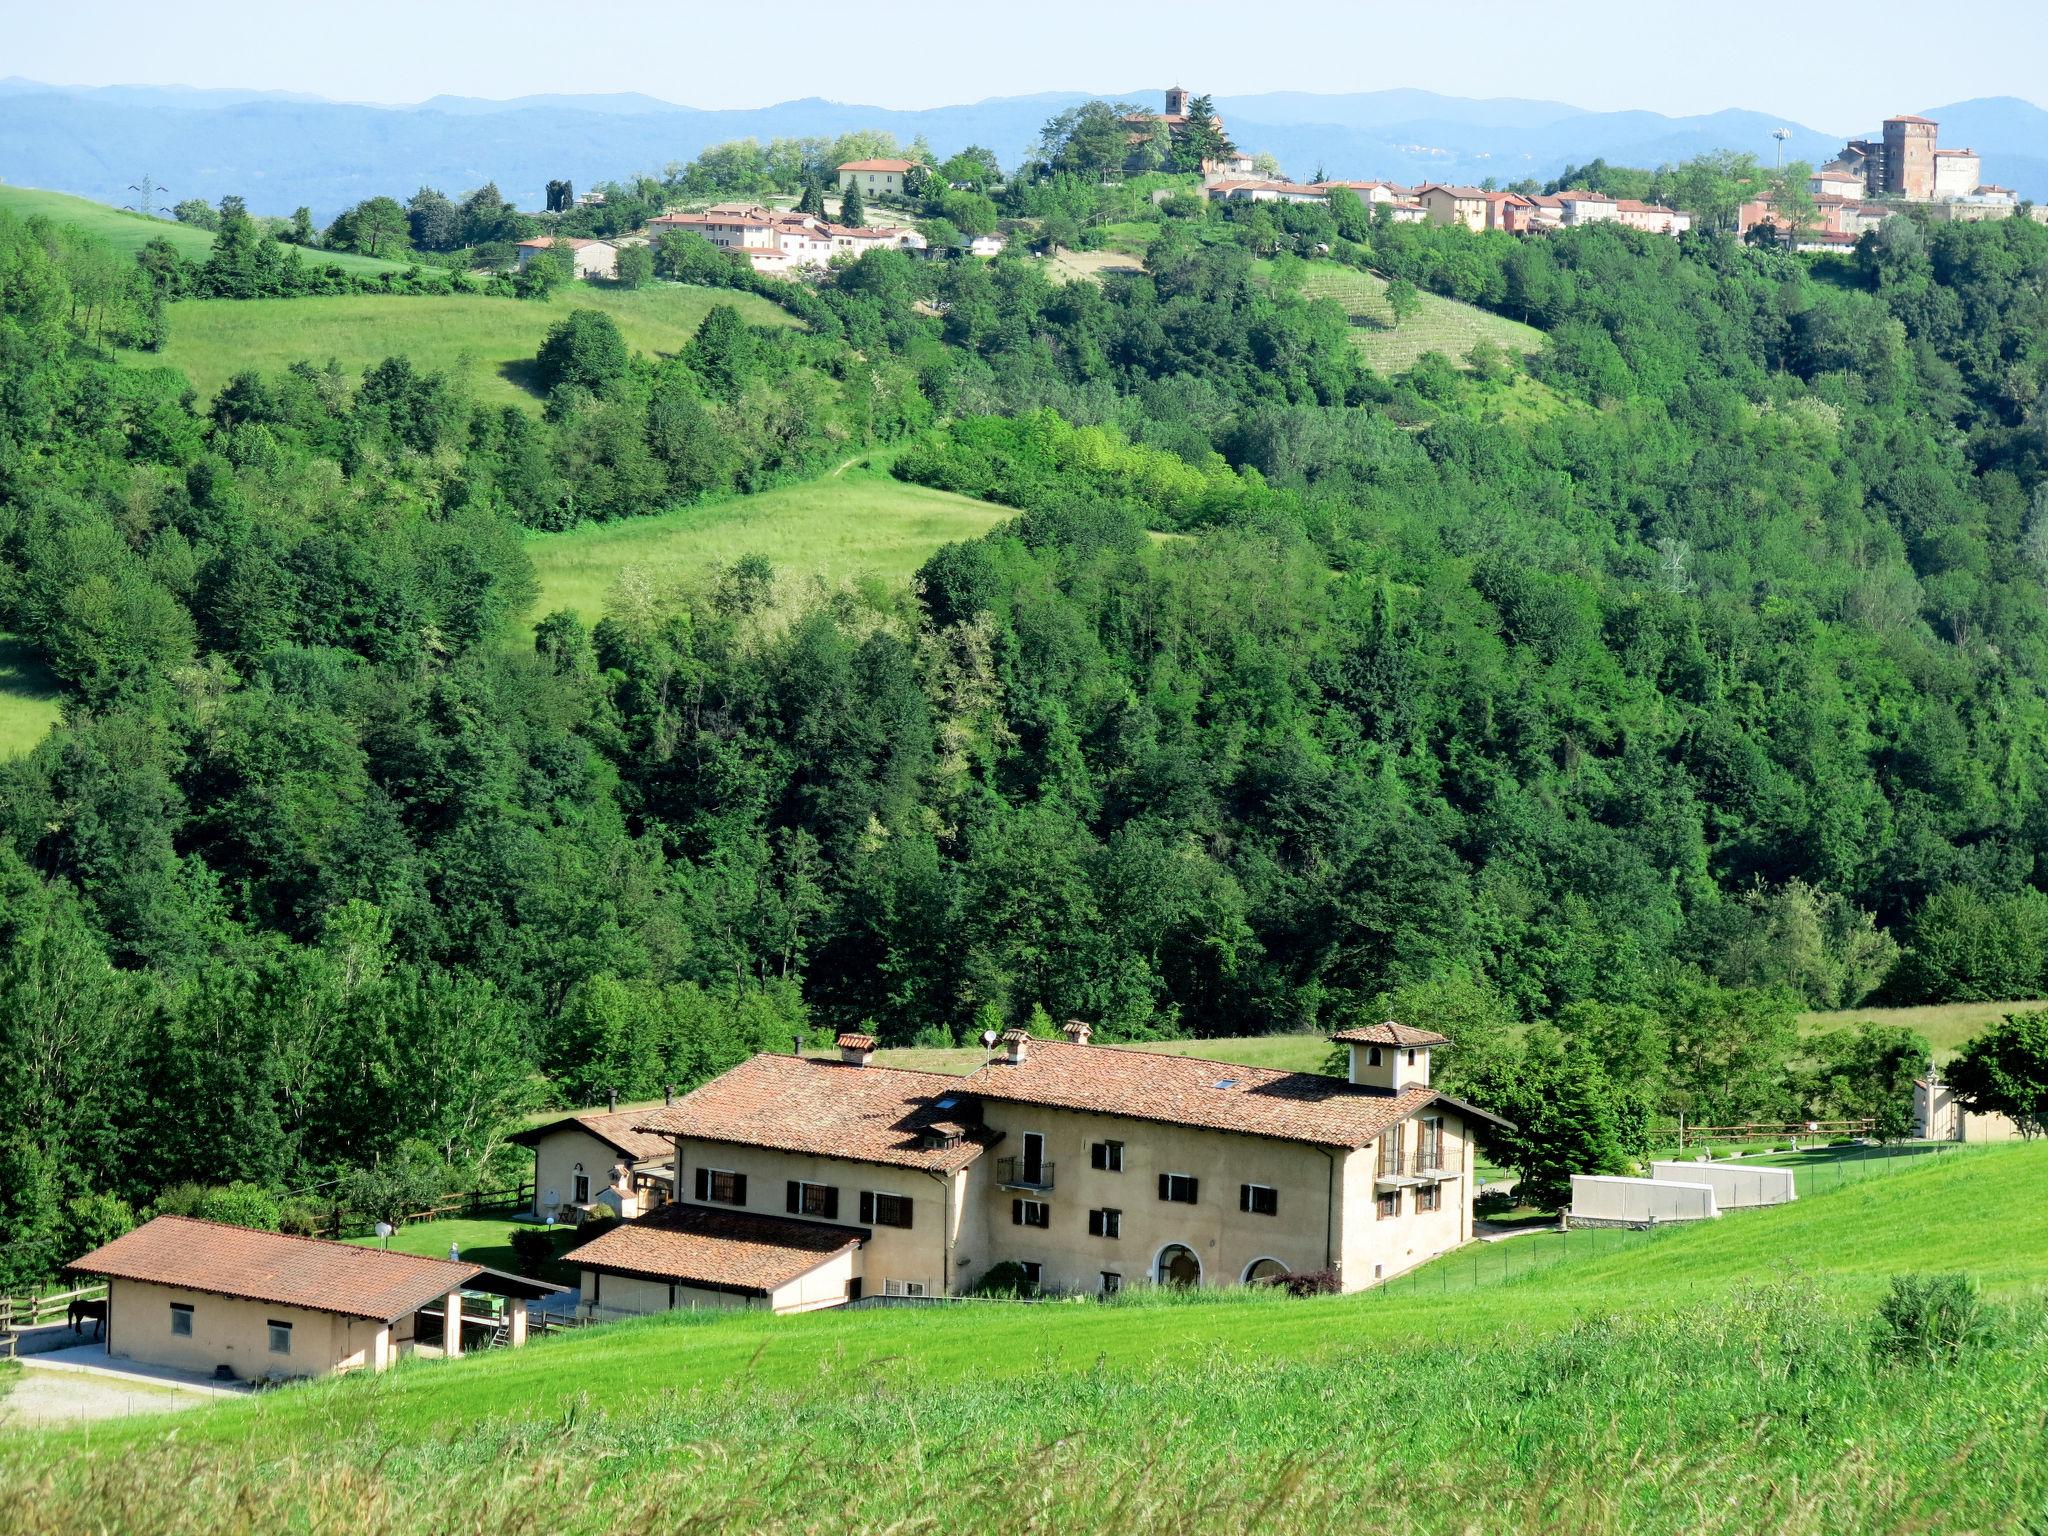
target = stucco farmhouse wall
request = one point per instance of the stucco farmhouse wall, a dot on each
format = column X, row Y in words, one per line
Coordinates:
column 229, row 1331
column 1599, row 1199
column 1736, row 1186
column 631, row 1296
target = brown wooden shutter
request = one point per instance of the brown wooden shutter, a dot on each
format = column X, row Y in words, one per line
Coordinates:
column 832, row 1202
column 1244, row 1197
column 904, row 1203
column 1165, row 1187
column 867, row 1206
column 1194, row 1190
column 739, row 1189
column 703, row 1183
column 796, row 1198
column 1016, row 1213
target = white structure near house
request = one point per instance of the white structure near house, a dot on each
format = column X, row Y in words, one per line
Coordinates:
column 1599, row 1200
column 784, row 243
column 1737, row 1186
column 592, row 258
column 1260, row 190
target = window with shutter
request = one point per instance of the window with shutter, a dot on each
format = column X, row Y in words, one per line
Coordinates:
column 703, row 1183
column 1259, row 1199
column 885, row 1210
column 794, row 1202
column 1107, row 1156
column 721, row 1186
column 867, row 1207
column 1105, row 1223
column 1180, row 1188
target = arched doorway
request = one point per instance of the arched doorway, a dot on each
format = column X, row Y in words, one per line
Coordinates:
column 1177, row 1266
column 1263, row 1271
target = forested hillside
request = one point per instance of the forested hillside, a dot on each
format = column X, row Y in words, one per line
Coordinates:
column 1716, row 689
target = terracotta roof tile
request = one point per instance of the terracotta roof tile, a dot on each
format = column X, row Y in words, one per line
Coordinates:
column 898, row 166
column 1187, row 1090
column 615, row 1130
column 1390, row 1033
column 827, row 1109
column 311, row 1272
column 720, row 1250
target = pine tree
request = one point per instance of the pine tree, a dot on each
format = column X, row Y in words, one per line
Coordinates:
column 853, row 210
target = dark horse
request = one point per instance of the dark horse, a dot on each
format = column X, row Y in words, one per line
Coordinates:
column 94, row 1312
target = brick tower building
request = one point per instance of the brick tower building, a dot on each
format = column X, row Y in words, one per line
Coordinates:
column 1909, row 157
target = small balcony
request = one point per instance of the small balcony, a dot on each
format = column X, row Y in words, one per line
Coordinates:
column 1023, row 1173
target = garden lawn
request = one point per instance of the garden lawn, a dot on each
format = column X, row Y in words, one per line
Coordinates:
column 488, row 342
column 485, row 1240
column 860, row 523
column 1282, row 1053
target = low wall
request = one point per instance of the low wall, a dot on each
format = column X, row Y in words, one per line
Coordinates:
column 1599, row 1200
column 1736, row 1186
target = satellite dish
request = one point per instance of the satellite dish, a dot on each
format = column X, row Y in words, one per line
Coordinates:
column 988, row 1037
column 385, row 1229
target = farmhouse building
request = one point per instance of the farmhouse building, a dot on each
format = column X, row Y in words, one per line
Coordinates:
column 784, row 244
column 205, row 1297
column 1939, row 1116
column 584, row 1165
column 590, row 258
column 1089, row 1167
column 877, row 178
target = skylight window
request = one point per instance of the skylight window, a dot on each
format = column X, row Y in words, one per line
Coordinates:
column 947, row 1103
column 1228, row 1082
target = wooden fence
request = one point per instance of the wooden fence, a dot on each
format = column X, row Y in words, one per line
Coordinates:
column 474, row 1202
column 1777, row 1130
column 32, row 1311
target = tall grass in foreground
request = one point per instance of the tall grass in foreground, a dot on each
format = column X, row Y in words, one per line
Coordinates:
column 1770, row 1410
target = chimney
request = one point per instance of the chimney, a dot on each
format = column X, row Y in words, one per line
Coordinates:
column 855, row 1049
column 796, row 1045
column 1016, row 1046
column 668, row 1093
column 1077, row 1031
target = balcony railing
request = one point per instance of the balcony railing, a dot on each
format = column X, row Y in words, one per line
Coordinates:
column 1017, row 1173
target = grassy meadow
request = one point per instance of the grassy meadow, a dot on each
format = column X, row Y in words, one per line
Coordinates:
column 1438, row 324
column 485, row 1240
column 1946, row 1026
column 842, row 527
column 129, row 232
column 1713, row 1378
column 490, row 342
column 28, row 698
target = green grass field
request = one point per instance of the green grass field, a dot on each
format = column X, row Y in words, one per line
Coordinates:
column 838, row 528
column 490, row 342
column 485, row 1240
column 28, row 698
column 1438, row 324
column 1945, row 1025
column 130, row 232
column 1285, row 1053
column 1711, row 1378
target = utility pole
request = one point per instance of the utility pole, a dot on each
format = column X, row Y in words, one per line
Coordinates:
column 146, row 194
column 1781, row 135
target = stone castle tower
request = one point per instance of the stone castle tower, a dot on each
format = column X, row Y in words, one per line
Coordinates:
column 1177, row 101
column 1909, row 157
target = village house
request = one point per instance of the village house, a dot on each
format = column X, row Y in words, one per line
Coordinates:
column 1259, row 190
column 877, row 178
column 1453, row 205
column 804, row 1182
column 784, row 244
column 1939, row 1116
column 204, row 1297
column 590, row 258
column 1177, row 120
column 593, row 1165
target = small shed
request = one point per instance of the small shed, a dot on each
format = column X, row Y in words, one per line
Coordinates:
column 597, row 1162
column 686, row 1256
column 207, row 1297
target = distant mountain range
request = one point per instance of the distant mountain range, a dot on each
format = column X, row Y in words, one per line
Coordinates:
column 279, row 149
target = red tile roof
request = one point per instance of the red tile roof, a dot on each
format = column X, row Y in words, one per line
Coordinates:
column 1212, row 1095
column 1390, row 1033
column 221, row 1260
column 574, row 242
column 615, row 1130
column 1910, row 118
column 827, row 1109
column 715, row 1249
column 898, row 166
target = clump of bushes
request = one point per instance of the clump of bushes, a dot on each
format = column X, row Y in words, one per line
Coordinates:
column 1308, row 1282
column 1005, row 1279
column 533, row 1249
column 1930, row 1317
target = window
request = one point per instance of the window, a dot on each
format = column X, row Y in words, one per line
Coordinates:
column 1180, row 1188
column 1429, row 1151
column 1411, row 1058
column 1030, row 1268
column 1030, row 1213
column 819, row 1200
column 181, row 1320
column 1390, row 1204
column 582, row 1189
column 903, row 1288
column 721, row 1186
column 1112, row 1282
column 1107, row 1156
column 1259, row 1199
column 1372, row 1057
column 884, row 1210
column 1429, row 1198
column 1033, row 1169
column 280, row 1337
column 1106, row 1223
column 1391, row 1148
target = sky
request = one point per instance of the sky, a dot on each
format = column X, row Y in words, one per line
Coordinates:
column 1823, row 65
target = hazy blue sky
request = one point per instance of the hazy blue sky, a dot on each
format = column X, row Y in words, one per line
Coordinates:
column 1832, row 66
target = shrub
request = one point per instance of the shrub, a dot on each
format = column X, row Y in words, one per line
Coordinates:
column 1005, row 1279
column 305, row 1218
column 1309, row 1282
column 533, row 1248
column 1929, row 1317
column 242, row 1204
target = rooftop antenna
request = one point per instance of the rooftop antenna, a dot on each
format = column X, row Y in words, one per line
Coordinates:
column 1781, row 135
